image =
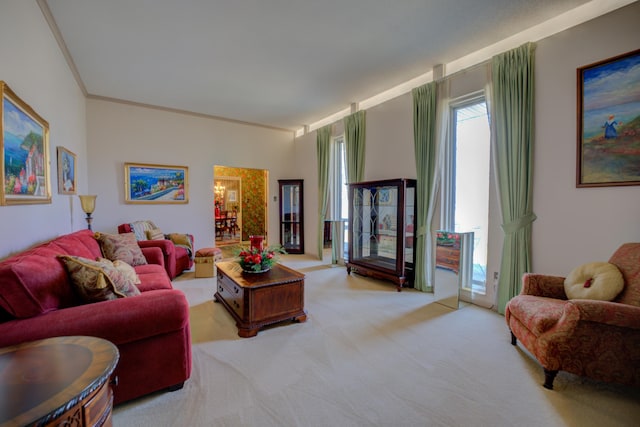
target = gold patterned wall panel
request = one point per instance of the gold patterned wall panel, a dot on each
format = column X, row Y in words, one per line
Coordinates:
column 253, row 191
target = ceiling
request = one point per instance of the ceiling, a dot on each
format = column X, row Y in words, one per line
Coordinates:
column 275, row 63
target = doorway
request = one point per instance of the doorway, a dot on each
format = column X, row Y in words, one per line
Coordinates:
column 240, row 204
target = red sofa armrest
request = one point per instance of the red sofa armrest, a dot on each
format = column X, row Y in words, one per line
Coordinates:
column 153, row 255
column 166, row 246
column 125, row 228
column 543, row 286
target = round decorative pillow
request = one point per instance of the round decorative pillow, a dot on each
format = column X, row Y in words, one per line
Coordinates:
column 595, row 280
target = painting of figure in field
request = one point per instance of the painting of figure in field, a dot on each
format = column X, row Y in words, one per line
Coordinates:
column 611, row 122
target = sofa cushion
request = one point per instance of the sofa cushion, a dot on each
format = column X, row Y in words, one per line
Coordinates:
column 35, row 282
column 152, row 277
column 123, row 247
column 595, row 280
column 98, row 280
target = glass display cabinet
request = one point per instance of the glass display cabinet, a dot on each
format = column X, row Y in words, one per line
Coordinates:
column 381, row 230
column 291, row 215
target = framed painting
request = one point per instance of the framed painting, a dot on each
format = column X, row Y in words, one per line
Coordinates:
column 156, row 184
column 608, row 151
column 24, row 142
column 66, row 171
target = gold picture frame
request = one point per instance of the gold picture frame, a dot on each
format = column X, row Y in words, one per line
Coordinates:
column 156, row 184
column 24, row 143
column 66, row 171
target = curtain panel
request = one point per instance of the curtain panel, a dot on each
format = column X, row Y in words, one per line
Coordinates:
column 511, row 106
column 355, row 139
column 323, row 148
column 426, row 153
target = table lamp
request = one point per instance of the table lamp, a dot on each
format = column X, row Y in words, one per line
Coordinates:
column 88, row 206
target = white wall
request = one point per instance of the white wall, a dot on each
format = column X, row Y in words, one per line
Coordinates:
column 34, row 68
column 119, row 133
column 577, row 225
column 574, row 226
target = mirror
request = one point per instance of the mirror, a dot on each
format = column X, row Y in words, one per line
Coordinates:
column 454, row 266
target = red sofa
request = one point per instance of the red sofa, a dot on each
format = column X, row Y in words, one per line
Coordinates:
column 151, row 330
column 176, row 258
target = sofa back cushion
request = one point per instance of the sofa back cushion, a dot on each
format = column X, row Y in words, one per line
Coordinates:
column 627, row 259
column 34, row 282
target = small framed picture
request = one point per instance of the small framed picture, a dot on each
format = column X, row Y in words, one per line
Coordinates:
column 66, row 171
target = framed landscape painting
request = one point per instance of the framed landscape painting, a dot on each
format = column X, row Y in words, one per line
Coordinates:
column 66, row 171
column 24, row 142
column 608, row 152
column 155, row 184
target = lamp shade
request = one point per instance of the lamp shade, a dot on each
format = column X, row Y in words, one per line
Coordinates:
column 88, row 203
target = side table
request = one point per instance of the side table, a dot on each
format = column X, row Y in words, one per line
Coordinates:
column 57, row 381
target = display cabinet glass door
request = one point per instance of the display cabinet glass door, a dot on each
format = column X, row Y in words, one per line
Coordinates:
column 291, row 215
column 381, row 229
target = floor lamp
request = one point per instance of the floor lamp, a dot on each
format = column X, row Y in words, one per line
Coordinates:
column 88, row 206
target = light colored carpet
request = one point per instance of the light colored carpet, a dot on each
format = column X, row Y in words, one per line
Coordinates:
column 369, row 356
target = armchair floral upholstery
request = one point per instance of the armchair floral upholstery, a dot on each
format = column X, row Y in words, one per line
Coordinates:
column 177, row 248
column 592, row 338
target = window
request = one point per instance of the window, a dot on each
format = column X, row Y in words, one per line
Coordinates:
column 339, row 208
column 466, row 177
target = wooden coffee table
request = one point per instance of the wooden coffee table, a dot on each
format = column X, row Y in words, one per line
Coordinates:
column 62, row 381
column 257, row 300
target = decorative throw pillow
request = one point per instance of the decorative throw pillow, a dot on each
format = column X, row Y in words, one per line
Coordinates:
column 140, row 228
column 155, row 234
column 123, row 247
column 125, row 269
column 595, row 280
column 180, row 239
column 90, row 280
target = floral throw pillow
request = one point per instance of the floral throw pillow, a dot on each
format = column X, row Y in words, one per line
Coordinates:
column 97, row 281
column 123, row 247
column 128, row 272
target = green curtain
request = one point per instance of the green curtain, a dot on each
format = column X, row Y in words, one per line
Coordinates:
column 354, row 134
column 424, row 134
column 511, row 106
column 354, row 140
column 323, row 146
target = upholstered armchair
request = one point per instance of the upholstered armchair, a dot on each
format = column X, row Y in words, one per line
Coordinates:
column 587, row 337
column 177, row 248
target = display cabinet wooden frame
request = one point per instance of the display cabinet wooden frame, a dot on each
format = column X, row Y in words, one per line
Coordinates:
column 291, row 215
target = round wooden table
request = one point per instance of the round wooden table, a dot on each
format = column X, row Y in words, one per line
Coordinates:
column 57, row 381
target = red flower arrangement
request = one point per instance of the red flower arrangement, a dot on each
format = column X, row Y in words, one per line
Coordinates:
column 254, row 260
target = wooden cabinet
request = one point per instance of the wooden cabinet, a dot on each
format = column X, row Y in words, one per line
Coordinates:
column 257, row 300
column 381, row 229
column 291, row 215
